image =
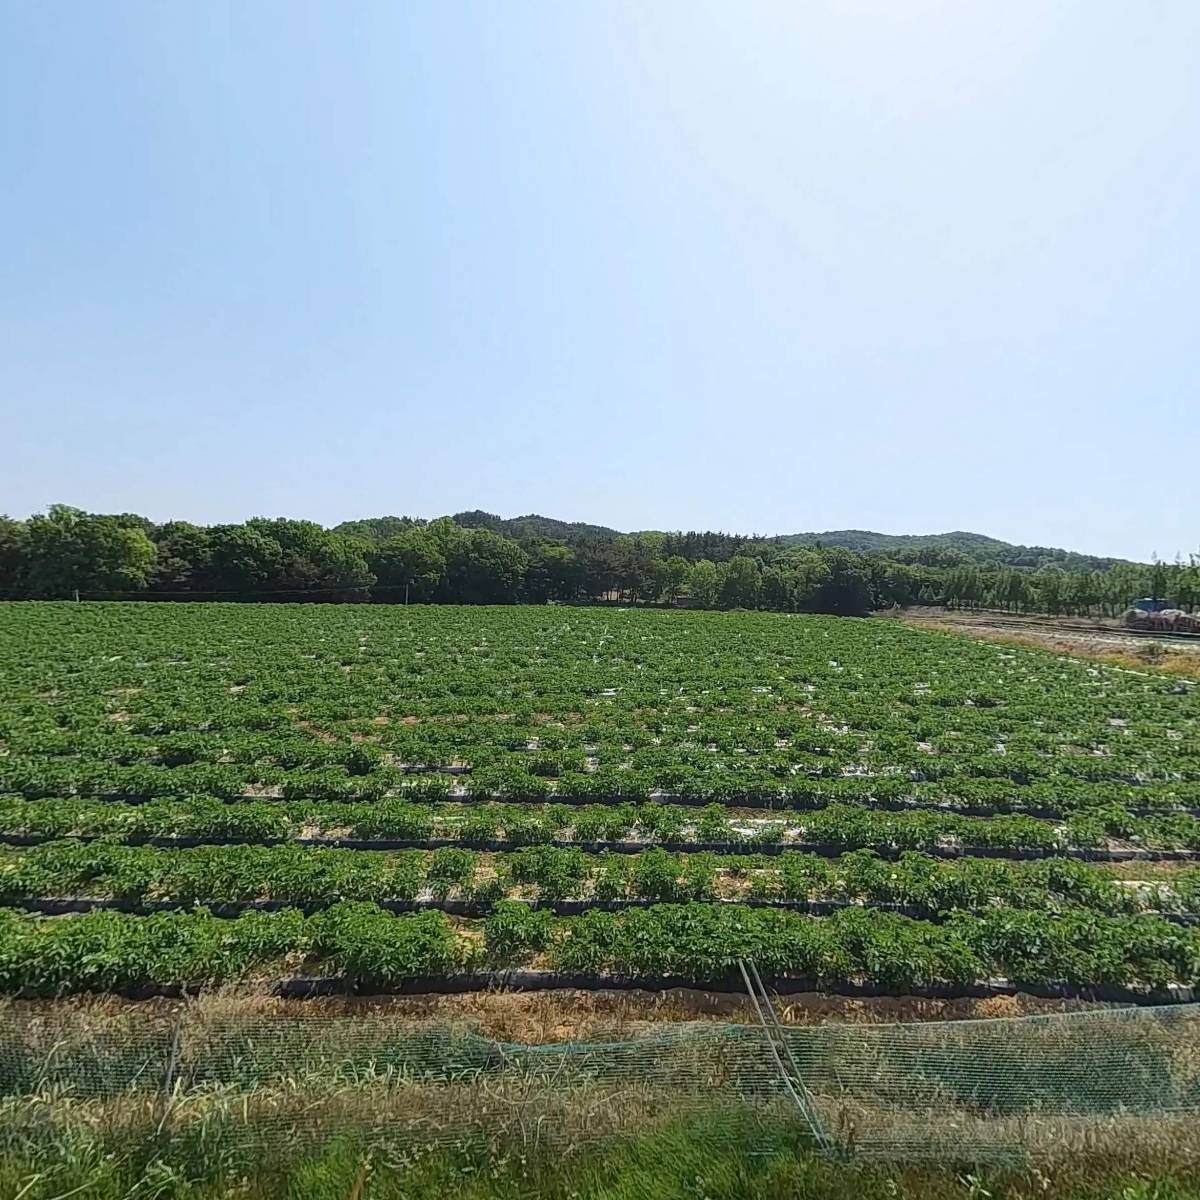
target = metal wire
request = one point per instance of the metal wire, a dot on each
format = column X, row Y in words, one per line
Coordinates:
column 964, row 1090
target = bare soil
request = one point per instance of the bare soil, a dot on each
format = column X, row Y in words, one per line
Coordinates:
column 1096, row 639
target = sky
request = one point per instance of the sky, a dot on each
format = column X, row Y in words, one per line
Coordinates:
column 904, row 265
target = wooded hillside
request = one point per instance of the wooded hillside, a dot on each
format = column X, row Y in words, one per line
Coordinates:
column 478, row 558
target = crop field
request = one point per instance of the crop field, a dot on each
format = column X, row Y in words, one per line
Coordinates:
column 386, row 797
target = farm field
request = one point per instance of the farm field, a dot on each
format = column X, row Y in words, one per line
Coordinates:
column 390, row 797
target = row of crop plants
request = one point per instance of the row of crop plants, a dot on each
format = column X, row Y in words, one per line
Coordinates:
column 290, row 874
column 770, row 747
column 699, row 942
column 35, row 777
column 837, row 827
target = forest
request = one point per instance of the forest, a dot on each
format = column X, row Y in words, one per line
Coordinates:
column 477, row 558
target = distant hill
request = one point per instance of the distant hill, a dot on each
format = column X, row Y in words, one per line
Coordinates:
column 865, row 541
column 976, row 546
column 375, row 529
column 529, row 528
column 936, row 548
column 533, row 526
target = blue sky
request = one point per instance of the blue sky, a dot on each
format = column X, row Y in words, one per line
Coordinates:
column 903, row 265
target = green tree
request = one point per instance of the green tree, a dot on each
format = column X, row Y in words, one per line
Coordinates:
column 183, row 556
column 14, row 555
column 240, row 560
column 895, row 583
column 68, row 550
column 553, row 573
column 1159, row 579
column 412, row 560
column 494, row 568
column 376, row 530
column 967, row 586
column 1123, row 583
column 637, row 573
column 482, row 567
column 1010, row 589
column 847, row 588
column 1050, row 587
column 740, row 586
column 1187, row 586
column 598, row 568
column 810, row 575
column 1083, row 591
column 313, row 558
column 672, row 576
column 774, row 593
column 703, row 583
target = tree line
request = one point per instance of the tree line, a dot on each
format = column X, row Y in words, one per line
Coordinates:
column 66, row 552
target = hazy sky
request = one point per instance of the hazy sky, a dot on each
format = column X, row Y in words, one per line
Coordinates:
column 903, row 265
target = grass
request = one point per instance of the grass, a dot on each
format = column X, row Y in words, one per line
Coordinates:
column 706, row 1159
column 263, row 1109
column 377, row 1102
column 532, row 1017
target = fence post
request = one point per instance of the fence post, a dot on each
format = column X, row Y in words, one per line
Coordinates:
column 172, row 1067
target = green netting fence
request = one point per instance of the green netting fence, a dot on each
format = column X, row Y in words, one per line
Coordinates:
column 991, row 1090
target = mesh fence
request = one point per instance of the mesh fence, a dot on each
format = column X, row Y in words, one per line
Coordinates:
column 269, row 1083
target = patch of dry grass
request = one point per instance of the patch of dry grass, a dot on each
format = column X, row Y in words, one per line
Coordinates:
column 1150, row 656
column 532, row 1018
